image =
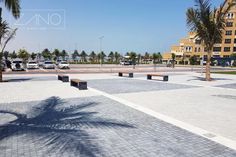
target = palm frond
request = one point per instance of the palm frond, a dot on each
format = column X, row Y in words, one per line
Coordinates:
column 13, row 6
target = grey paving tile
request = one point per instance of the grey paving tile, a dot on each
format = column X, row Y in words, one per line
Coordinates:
column 96, row 126
column 129, row 85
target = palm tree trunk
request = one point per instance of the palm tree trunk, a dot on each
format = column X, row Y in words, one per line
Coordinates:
column 0, row 52
column 208, row 66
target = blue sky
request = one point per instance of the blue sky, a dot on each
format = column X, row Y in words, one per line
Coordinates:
column 127, row 25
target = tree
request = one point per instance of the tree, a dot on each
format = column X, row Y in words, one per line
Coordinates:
column 33, row 56
column 193, row 60
column 117, row 57
column 101, row 57
column 23, row 54
column 13, row 55
column 46, row 54
column 111, row 57
column 56, row 53
column 139, row 57
column 6, row 55
column 92, row 57
column 146, row 57
column 83, row 56
column 133, row 57
column 173, row 56
column 208, row 24
column 75, row 55
column 159, row 59
column 64, row 54
column 14, row 7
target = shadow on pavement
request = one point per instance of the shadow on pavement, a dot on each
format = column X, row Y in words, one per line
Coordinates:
column 59, row 129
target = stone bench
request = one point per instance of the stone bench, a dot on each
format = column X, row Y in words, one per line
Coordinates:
column 165, row 77
column 82, row 85
column 63, row 78
column 130, row 74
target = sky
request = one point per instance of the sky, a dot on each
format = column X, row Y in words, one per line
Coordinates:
column 111, row 25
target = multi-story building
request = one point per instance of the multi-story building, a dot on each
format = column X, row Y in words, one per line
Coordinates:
column 191, row 45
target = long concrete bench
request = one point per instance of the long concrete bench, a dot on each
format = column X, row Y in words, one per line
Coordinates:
column 82, row 85
column 63, row 78
column 165, row 77
column 130, row 74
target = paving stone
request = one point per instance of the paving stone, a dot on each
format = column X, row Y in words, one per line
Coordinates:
column 117, row 86
column 96, row 126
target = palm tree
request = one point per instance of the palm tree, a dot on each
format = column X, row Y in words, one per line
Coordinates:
column 111, row 56
column 64, row 54
column 83, row 56
column 117, row 57
column 133, row 57
column 14, row 7
column 75, row 55
column 173, row 56
column 208, row 24
column 57, row 53
column 92, row 56
column 155, row 57
column 101, row 57
column 33, row 56
column 23, row 54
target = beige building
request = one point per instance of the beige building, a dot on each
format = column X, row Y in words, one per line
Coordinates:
column 191, row 45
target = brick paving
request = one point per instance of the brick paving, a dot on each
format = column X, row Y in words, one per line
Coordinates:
column 129, row 85
column 95, row 126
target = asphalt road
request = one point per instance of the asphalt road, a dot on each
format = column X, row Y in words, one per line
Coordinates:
column 108, row 68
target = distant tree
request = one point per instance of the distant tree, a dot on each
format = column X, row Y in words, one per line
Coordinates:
column 159, row 59
column 83, row 56
column 39, row 56
column 139, row 57
column 193, row 60
column 6, row 55
column 173, row 56
column 146, row 57
column 101, row 57
column 23, row 54
column 117, row 57
column 13, row 55
column 133, row 57
column 57, row 54
column 111, row 56
column 46, row 54
column 64, row 54
column 92, row 57
column 33, row 56
column 75, row 55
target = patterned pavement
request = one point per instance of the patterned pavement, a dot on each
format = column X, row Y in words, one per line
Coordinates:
column 95, row 126
column 129, row 85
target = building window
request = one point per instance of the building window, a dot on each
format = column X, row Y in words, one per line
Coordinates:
column 227, row 41
column 230, row 15
column 229, row 24
column 228, row 32
column 235, row 41
column 226, row 56
column 198, row 41
column 217, row 49
column 226, row 49
column 199, row 49
column 234, row 49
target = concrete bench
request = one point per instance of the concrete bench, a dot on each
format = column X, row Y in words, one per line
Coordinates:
column 165, row 77
column 63, row 78
column 130, row 74
column 82, row 85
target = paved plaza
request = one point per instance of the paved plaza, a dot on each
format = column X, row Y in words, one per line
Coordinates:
column 40, row 116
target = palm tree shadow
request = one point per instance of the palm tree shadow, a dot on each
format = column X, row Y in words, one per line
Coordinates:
column 60, row 129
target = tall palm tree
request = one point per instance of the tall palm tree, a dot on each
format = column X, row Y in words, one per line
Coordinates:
column 173, row 56
column 14, row 7
column 208, row 24
column 133, row 57
column 92, row 56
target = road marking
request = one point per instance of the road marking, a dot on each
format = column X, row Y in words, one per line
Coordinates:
column 198, row 131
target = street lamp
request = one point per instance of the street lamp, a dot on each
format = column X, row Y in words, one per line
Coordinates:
column 100, row 38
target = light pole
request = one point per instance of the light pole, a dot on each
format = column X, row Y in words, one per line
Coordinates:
column 100, row 38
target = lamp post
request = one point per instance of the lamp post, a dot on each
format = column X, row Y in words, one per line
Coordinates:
column 100, row 38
